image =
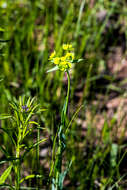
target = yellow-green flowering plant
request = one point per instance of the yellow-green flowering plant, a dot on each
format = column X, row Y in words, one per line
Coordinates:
column 64, row 64
column 65, row 61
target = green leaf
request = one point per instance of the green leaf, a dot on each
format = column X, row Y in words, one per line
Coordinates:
column 1, row 29
column 5, row 174
column 73, row 117
column 53, row 184
column 53, row 155
column 30, row 177
column 64, row 110
column 113, row 154
column 9, row 135
column 27, row 177
column 114, row 88
column 41, row 110
column 53, row 69
column 33, row 122
column 8, row 186
column 4, row 116
column 42, row 140
column 63, row 174
column 2, row 41
column 77, row 60
column 4, row 151
column 31, row 147
column 8, row 159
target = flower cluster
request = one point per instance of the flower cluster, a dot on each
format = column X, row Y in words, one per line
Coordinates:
column 64, row 62
column 25, row 108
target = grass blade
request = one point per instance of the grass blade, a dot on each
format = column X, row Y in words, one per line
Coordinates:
column 5, row 174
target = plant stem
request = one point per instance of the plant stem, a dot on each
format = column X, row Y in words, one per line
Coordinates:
column 37, row 151
column 68, row 90
column 61, row 136
column 17, row 168
column 67, row 97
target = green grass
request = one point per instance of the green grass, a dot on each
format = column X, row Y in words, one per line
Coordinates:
column 34, row 29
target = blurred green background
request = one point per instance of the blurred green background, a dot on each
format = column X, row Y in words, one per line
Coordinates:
column 98, row 32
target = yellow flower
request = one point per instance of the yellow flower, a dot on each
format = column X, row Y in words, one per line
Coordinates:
column 52, row 55
column 69, row 56
column 56, row 60
column 63, row 58
column 67, row 47
column 64, row 65
column 63, row 62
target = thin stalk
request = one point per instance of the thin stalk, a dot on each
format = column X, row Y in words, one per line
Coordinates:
column 64, row 111
column 38, row 139
column 68, row 90
column 17, row 168
column 61, row 142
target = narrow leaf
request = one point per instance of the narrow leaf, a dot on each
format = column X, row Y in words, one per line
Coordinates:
column 77, row 60
column 9, row 135
column 41, row 110
column 5, row 174
column 42, row 140
column 30, row 177
column 2, row 41
column 53, row 69
column 33, row 122
column 7, row 186
column 4, row 151
column 73, row 117
column 1, row 29
column 3, row 116
column 8, row 159
column 113, row 154
column 62, row 175
column 31, row 147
